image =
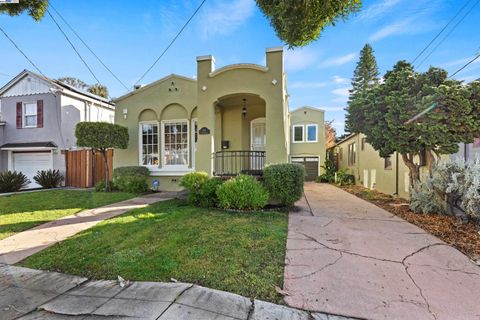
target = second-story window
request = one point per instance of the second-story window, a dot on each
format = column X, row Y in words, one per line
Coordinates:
column 30, row 115
column 311, row 135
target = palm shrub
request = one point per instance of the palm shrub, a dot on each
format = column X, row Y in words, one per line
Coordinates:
column 284, row 182
column 242, row 192
column 48, row 179
column 11, row 181
column 131, row 179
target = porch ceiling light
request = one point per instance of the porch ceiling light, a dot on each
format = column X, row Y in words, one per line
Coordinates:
column 244, row 109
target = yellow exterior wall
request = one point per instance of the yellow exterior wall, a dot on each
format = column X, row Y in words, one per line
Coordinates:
column 369, row 165
column 304, row 116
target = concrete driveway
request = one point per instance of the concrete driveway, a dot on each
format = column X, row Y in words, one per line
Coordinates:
column 348, row 257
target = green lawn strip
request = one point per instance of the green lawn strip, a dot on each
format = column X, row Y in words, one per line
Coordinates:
column 23, row 211
column 237, row 252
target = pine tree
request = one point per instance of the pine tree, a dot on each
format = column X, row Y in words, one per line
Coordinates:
column 365, row 77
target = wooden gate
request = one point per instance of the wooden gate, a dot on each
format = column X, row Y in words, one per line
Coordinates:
column 86, row 167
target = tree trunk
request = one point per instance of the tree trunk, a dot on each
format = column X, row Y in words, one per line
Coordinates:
column 431, row 161
column 412, row 168
column 107, row 183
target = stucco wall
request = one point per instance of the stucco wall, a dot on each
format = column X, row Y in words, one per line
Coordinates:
column 305, row 116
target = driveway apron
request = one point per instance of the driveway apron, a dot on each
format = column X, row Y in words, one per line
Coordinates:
column 348, row 257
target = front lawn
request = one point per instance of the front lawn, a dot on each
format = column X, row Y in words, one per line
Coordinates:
column 23, row 211
column 237, row 252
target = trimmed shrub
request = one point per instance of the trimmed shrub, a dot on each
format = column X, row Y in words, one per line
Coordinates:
column 100, row 186
column 207, row 195
column 284, row 182
column 131, row 179
column 48, row 179
column 193, row 182
column 11, row 181
column 242, row 192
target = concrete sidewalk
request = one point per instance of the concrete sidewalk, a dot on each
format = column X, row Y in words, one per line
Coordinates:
column 24, row 244
column 33, row 294
column 349, row 257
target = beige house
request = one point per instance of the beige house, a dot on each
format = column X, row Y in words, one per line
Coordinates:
column 387, row 175
column 226, row 121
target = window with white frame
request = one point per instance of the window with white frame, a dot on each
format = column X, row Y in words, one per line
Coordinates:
column 29, row 115
column 311, row 133
column 352, row 150
column 297, row 133
column 149, row 144
column 175, row 143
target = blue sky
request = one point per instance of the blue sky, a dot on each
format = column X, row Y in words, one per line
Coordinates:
column 129, row 35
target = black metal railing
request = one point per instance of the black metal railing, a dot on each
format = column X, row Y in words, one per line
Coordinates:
column 232, row 163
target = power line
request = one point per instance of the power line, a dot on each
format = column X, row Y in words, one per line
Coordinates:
column 440, row 32
column 73, row 46
column 465, row 65
column 171, row 42
column 449, row 33
column 87, row 46
column 23, row 53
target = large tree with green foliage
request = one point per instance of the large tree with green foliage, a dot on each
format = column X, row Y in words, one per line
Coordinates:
column 365, row 77
column 102, row 136
column 35, row 8
column 404, row 94
column 299, row 22
column 74, row 82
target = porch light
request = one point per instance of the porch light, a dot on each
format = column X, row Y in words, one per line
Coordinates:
column 244, row 109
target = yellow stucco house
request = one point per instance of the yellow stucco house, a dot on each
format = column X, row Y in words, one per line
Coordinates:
column 226, row 121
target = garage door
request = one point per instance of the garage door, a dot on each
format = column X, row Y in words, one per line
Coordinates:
column 30, row 163
column 310, row 164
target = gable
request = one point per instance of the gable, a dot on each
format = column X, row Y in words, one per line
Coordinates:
column 27, row 85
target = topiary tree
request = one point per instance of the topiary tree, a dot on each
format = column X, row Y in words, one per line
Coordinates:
column 388, row 107
column 300, row 22
column 102, row 136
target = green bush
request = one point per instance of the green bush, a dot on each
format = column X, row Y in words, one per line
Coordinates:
column 11, row 181
column 48, row 179
column 193, row 182
column 131, row 179
column 325, row 178
column 284, row 182
column 100, row 186
column 242, row 192
column 344, row 178
column 207, row 194
column 329, row 171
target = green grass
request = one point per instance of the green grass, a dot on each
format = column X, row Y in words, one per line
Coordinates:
column 237, row 252
column 23, row 211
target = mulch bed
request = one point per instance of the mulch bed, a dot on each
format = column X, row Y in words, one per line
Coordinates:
column 463, row 236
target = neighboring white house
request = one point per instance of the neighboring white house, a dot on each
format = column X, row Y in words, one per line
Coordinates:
column 37, row 122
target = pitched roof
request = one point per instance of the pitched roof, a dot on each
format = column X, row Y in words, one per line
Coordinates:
column 45, row 144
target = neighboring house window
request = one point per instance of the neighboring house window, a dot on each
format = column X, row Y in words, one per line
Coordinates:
column 363, row 144
column 388, row 163
column 312, row 133
column 298, row 133
column 29, row 115
column 149, row 144
column 351, row 154
column 175, row 143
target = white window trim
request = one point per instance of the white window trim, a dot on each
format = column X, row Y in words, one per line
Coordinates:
column 174, row 167
column 24, row 104
column 293, row 133
column 306, row 133
column 140, row 144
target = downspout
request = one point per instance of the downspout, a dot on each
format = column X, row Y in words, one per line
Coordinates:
column 396, row 173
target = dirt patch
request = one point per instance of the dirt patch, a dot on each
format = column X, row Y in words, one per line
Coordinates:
column 463, row 236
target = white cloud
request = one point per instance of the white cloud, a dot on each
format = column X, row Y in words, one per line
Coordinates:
column 395, row 28
column 302, row 84
column 338, row 61
column 299, row 59
column 342, row 92
column 331, row 109
column 223, row 17
column 339, row 80
column 459, row 62
column 338, row 124
column 377, row 10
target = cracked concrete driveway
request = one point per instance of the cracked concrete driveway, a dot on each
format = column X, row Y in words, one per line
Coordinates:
column 348, row 257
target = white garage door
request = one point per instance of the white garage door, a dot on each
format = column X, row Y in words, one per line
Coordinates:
column 30, row 163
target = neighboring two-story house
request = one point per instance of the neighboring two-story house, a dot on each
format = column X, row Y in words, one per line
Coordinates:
column 226, row 121
column 37, row 122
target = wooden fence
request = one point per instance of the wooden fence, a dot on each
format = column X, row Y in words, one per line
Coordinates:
column 86, row 167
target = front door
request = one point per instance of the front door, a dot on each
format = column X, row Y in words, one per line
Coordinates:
column 258, row 134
